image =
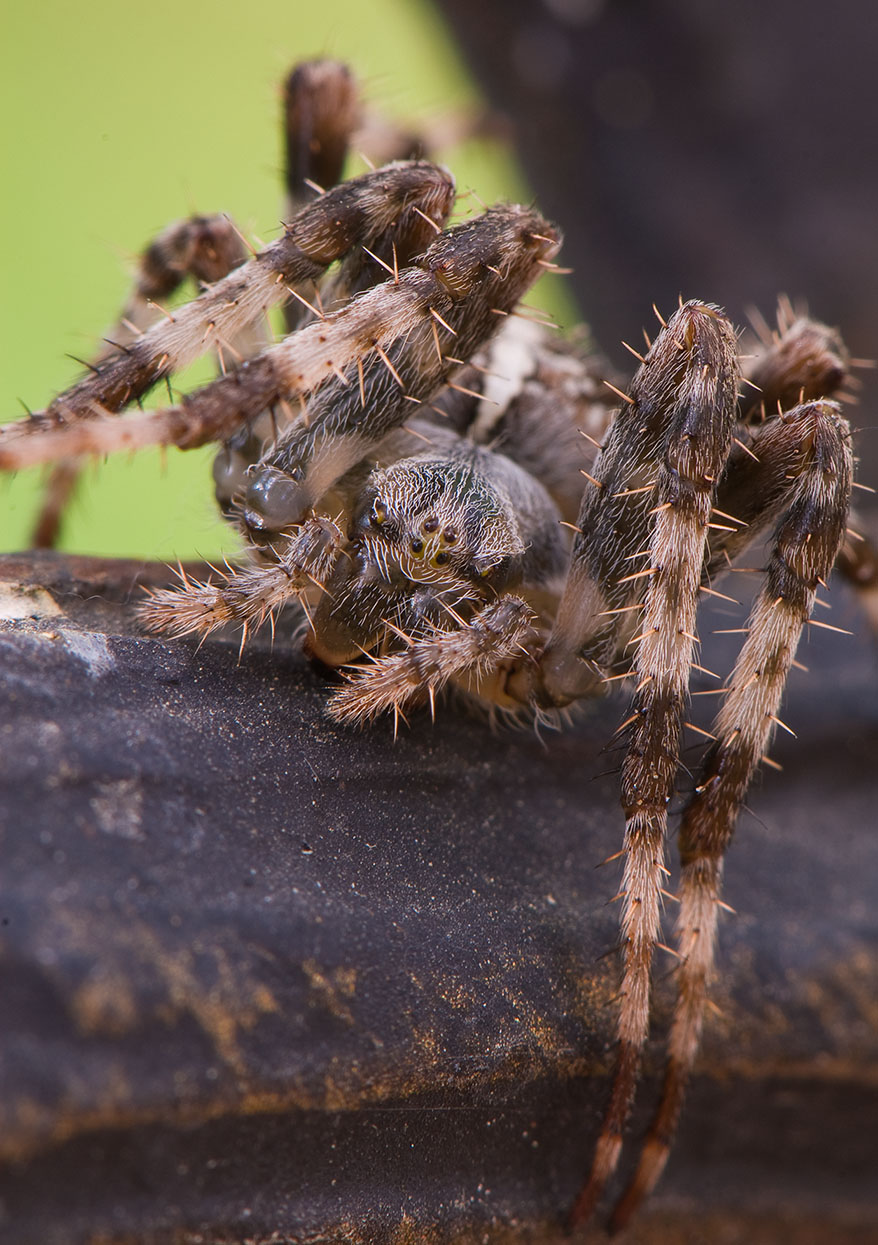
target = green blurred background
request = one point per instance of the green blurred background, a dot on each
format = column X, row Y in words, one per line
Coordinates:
column 121, row 118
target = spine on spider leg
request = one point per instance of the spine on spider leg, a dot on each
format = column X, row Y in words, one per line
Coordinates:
column 460, row 284
column 496, row 634
column 247, row 596
column 806, row 542
column 205, row 248
column 696, row 393
column 348, row 216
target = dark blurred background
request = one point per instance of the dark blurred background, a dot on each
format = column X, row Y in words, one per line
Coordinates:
column 721, row 151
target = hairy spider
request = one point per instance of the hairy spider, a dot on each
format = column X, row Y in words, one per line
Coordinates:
column 409, row 467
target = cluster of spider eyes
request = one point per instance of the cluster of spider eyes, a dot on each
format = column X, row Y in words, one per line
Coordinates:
column 429, row 527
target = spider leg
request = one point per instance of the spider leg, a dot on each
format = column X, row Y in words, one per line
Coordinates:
column 806, row 542
column 755, row 489
column 379, row 353
column 247, row 596
column 613, row 556
column 346, row 217
column 804, row 360
column 680, row 412
column 321, row 110
column 205, row 248
column 398, row 244
column 494, row 635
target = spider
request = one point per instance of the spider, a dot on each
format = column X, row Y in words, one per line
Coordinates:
column 410, row 467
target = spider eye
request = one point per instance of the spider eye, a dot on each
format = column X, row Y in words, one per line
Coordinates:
column 417, row 546
column 440, row 559
column 450, row 535
column 430, row 525
column 379, row 512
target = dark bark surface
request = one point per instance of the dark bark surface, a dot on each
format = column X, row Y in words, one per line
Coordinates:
column 266, row 978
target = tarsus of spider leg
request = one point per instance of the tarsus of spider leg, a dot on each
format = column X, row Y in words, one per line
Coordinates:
column 493, row 635
column 694, row 399
column 247, row 596
column 805, row 546
column 394, row 318
column 205, row 248
column 322, row 232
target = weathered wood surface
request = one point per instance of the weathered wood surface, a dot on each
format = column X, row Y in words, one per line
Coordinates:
column 263, row 978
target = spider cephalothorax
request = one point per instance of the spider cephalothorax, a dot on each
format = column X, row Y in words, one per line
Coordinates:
column 407, row 467
column 433, row 536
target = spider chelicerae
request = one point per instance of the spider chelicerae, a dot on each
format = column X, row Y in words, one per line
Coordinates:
column 454, row 497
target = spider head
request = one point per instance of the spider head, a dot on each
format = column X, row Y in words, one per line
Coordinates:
column 429, row 520
column 431, row 538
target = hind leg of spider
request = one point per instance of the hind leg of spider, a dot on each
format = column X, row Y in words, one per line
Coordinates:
column 805, row 545
column 203, row 248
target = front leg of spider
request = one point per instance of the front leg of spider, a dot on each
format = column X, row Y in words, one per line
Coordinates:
column 808, row 453
column 346, row 218
column 649, row 501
